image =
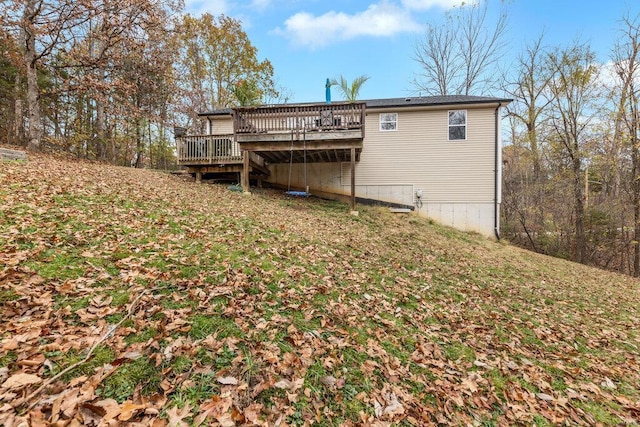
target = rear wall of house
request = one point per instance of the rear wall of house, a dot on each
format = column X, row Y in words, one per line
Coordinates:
column 456, row 177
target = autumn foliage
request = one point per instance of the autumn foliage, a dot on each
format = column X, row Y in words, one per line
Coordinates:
column 132, row 297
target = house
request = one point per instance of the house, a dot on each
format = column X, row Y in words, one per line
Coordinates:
column 440, row 156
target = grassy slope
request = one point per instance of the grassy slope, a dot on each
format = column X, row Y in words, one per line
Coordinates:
column 318, row 316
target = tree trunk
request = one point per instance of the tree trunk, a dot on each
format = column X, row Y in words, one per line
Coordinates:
column 18, row 121
column 635, row 185
column 139, row 144
column 580, row 237
column 30, row 59
column 636, row 222
column 100, row 130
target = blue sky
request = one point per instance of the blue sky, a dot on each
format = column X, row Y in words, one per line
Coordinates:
column 310, row 40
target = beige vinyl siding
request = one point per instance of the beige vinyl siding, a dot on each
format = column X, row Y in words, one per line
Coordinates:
column 420, row 153
column 221, row 125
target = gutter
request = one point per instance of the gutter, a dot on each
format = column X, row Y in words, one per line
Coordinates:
column 496, row 210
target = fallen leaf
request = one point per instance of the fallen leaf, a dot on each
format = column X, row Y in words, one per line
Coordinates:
column 227, row 380
column 177, row 416
column 91, row 414
column 20, row 380
column 480, row 364
column 128, row 410
column 328, row 380
column 544, row 396
column 252, row 412
column 9, row 344
column 283, row 384
column 608, row 383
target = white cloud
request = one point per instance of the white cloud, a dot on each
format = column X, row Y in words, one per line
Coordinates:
column 260, row 4
column 428, row 4
column 380, row 19
column 608, row 76
column 214, row 7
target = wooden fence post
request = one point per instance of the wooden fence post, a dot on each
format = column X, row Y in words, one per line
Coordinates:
column 245, row 171
column 353, row 178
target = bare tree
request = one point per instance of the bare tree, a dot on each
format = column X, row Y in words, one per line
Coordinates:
column 574, row 93
column 626, row 62
column 457, row 57
column 529, row 89
column 437, row 55
column 43, row 27
column 29, row 15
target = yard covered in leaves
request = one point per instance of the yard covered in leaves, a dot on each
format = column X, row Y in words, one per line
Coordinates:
column 132, row 296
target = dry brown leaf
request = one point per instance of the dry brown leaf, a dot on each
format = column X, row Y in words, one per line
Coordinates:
column 328, row 380
column 9, row 344
column 128, row 409
column 91, row 414
column 544, row 396
column 177, row 416
column 227, row 380
column 20, row 380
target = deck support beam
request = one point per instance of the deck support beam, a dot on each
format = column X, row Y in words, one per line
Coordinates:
column 353, row 179
column 198, row 175
column 245, row 171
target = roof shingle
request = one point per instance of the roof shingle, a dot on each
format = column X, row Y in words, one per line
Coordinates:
column 415, row 101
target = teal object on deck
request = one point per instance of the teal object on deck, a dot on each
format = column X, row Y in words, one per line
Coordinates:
column 327, row 92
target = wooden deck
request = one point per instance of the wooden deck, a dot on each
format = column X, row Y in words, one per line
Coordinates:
column 280, row 134
column 208, row 150
column 283, row 120
column 312, row 133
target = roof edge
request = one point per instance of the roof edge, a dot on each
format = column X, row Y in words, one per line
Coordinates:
column 419, row 101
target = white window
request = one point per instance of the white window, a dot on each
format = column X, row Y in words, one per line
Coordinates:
column 457, row 125
column 388, row 121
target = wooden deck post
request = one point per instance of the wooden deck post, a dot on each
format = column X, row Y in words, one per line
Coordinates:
column 245, row 171
column 198, row 175
column 353, row 179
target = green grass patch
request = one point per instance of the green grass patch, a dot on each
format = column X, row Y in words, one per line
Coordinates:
column 120, row 297
column 143, row 336
column 223, row 359
column 181, row 364
column 56, row 264
column 121, row 385
column 458, row 351
column 75, row 304
column 8, row 358
column 7, row 295
column 203, row 325
column 200, row 389
column 61, row 360
column 601, row 412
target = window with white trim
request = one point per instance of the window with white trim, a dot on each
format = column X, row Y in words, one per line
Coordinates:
column 457, row 125
column 388, row 121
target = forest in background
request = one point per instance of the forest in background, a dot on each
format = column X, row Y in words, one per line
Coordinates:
column 571, row 176
column 110, row 79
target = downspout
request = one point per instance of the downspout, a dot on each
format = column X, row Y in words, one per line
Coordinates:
column 496, row 210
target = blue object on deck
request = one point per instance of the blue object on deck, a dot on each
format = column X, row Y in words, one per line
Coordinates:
column 327, row 91
column 298, row 193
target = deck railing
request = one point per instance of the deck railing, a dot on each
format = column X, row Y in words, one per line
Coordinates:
column 208, row 149
column 313, row 117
